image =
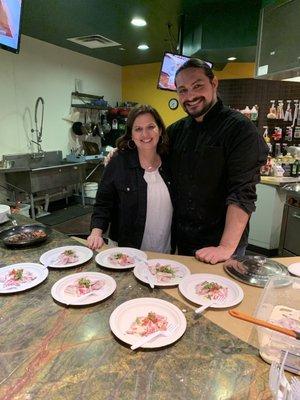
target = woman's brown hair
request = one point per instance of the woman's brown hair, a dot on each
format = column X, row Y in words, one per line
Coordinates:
column 125, row 142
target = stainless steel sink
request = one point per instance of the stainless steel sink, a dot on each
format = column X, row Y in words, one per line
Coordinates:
column 46, row 179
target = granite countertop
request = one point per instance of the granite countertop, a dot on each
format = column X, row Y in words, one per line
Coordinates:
column 49, row 351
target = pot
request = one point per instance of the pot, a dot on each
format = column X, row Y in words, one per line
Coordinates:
column 254, row 270
column 77, row 128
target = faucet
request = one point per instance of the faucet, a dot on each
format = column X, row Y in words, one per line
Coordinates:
column 38, row 130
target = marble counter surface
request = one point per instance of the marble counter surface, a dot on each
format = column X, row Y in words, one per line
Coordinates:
column 52, row 352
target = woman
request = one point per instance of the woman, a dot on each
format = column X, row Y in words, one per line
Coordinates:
column 134, row 193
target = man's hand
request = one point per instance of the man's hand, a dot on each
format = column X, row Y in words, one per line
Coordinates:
column 95, row 240
column 214, row 255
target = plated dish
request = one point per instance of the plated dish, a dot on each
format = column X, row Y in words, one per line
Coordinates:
column 294, row 268
column 83, row 288
column 165, row 272
column 22, row 276
column 120, row 257
column 202, row 289
column 142, row 316
column 66, row 256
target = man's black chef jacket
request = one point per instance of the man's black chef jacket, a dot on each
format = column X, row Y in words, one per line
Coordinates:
column 214, row 163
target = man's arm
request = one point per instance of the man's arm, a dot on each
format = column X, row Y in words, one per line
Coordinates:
column 236, row 221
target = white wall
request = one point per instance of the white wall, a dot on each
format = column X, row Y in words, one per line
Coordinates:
column 42, row 69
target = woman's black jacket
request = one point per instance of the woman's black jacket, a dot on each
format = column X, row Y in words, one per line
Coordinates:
column 121, row 199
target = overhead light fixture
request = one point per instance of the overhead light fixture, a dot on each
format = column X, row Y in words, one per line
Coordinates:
column 143, row 47
column 121, row 48
column 138, row 22
column 231, row 58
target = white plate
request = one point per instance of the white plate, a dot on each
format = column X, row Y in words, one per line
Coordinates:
column 38, row 270
column 294, row 268
column 139, row 271
column 58, row 289
column 49, row 258
column 187, row 289
column 123, row 316
column 102, row 257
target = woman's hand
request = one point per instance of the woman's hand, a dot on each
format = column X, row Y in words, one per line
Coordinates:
column 95, row 240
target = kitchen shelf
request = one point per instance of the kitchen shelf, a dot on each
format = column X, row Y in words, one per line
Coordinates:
column 89, row 106
column 90, row 96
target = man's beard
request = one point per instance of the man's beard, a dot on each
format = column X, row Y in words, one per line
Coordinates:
column 199, row 113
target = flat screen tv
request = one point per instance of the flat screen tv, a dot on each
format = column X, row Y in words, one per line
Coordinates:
column 170, row 64
column 10, row 24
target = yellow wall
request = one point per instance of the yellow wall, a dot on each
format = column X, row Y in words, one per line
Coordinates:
column 139, row 84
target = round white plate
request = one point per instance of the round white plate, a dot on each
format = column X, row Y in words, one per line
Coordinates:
column 50, row 257
column 123, row 316
column 58, row 289
column 38, row 270
column 187, row 288
column 182, row 271
column 102, row 257
column 294, row 268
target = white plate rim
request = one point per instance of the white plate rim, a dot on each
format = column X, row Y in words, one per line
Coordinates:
column 160, row 284
column 88, row 300
column 131, row 339
column 201, row 301
column 292, row 270
column 45, row 256
column 141, row 254
column 38, row 267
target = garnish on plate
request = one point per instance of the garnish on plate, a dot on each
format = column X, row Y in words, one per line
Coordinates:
column 164, row 273
column 83, row 286
column 144, row 325
column 67, row 257
column 211, row 290
column 16, row 277
column 121, row 259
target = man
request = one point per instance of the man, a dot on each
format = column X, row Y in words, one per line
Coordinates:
column 216, row 154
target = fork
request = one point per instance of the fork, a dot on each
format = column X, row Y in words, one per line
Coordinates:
column 204, row 307
column 295, row 388
column 170, row 330
column 274, row 377
column 147, row 273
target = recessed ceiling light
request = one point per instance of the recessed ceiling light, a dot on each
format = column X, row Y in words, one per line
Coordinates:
column 143, row 47
column 231, row 58
column 138, row 22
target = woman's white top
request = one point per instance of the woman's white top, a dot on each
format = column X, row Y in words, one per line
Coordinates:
column 157, row 233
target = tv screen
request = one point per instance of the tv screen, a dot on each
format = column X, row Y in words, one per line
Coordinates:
column 170, row 64
column 10, row 24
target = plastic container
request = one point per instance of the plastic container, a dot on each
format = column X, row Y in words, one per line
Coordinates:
column 4, row 210
column 24, row 209
column 279, row 304
column 90, row 189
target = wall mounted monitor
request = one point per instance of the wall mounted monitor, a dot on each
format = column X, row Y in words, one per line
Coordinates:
column 10, row 24
column 170, row 64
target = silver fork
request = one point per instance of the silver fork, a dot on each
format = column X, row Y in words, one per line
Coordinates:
column 170, row 330
column 295, row 388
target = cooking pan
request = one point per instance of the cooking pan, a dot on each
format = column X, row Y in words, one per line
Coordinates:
column 24, row 235
column 77, row 128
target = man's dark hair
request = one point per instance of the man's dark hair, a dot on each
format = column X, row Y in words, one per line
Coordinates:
column 196, row 63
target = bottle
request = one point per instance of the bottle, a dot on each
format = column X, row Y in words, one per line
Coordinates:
column 295, row 169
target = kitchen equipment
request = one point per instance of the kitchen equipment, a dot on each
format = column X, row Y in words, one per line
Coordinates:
column 27, row 235
column 4, row 210
column 77, row 128
column 266, row 324
column 289, row 244
column 280, row 305
column 254, row 270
